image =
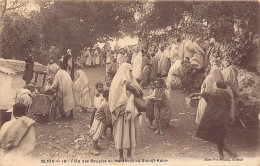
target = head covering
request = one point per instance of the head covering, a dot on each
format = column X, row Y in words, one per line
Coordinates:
column 220, row 86
column 215, row 59
column 117, row 94
column 216, row 73
column 214, row 76
column 230, row 75
column 212, row 40
column 12, row 136
column 82, row 83
column 54, row 68
column 197, row 40
column 30, row 86
column 69, row 51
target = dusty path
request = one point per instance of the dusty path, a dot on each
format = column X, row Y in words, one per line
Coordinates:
column 69, row 139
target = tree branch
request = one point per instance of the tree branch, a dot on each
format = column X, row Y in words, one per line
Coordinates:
column 14, row 3
column 3, row 10
column 18, row 6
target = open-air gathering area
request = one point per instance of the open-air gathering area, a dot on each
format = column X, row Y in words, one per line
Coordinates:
column 146, row 82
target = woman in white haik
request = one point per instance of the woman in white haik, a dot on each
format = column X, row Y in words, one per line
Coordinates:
column 88, row 59
column 97, row 55
column 125, row 117
column 82, row 91
column 230, row 74
column 207, row 86
column 174, row 75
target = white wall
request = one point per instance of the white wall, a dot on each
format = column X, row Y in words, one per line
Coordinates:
column 8, row 86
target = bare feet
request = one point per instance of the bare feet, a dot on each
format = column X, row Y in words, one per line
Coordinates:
column 95, row 152
column 151, row 127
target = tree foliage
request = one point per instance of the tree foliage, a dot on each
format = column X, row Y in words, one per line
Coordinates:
column 234, row 24
column 10, row 5
column 19, row 37
column 60, row 25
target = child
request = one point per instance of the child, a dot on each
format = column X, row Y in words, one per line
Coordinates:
column 108, row 82
column 150, row 103
column 162, row 112
column 98, row 97
column 100, row 119
column 109, row 122
column 78, row 63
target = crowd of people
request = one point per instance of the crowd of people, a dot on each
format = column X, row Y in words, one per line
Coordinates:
column 162, row 66
column 90, row 57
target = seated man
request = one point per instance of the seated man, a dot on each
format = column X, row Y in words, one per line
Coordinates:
column 24, row 96
column 17, row 136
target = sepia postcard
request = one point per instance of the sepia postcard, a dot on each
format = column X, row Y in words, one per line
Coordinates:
column 148, row 82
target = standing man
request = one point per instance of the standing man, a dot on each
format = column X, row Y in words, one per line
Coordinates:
column 137, row 65
column 164, row 63
column 175, row 51
column 186, row 47
column 62, row 83
column 88, row 60
column 28, row 73
column 64, row 64
column 68, row 63
column 84, row 57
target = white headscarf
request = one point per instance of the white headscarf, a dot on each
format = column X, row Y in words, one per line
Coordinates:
column 230, row 75
column 82, row 83
column 117, row 94
column 214, row 76
column 216, row 72
column 212, row 40
column 54, row 68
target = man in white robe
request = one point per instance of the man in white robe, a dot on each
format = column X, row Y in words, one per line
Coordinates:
column 135, row 51
column 17, row 138
column 137, row 66
column 185, row 49
column 63, row 85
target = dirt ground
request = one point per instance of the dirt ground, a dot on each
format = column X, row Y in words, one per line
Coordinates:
column 69, row 139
